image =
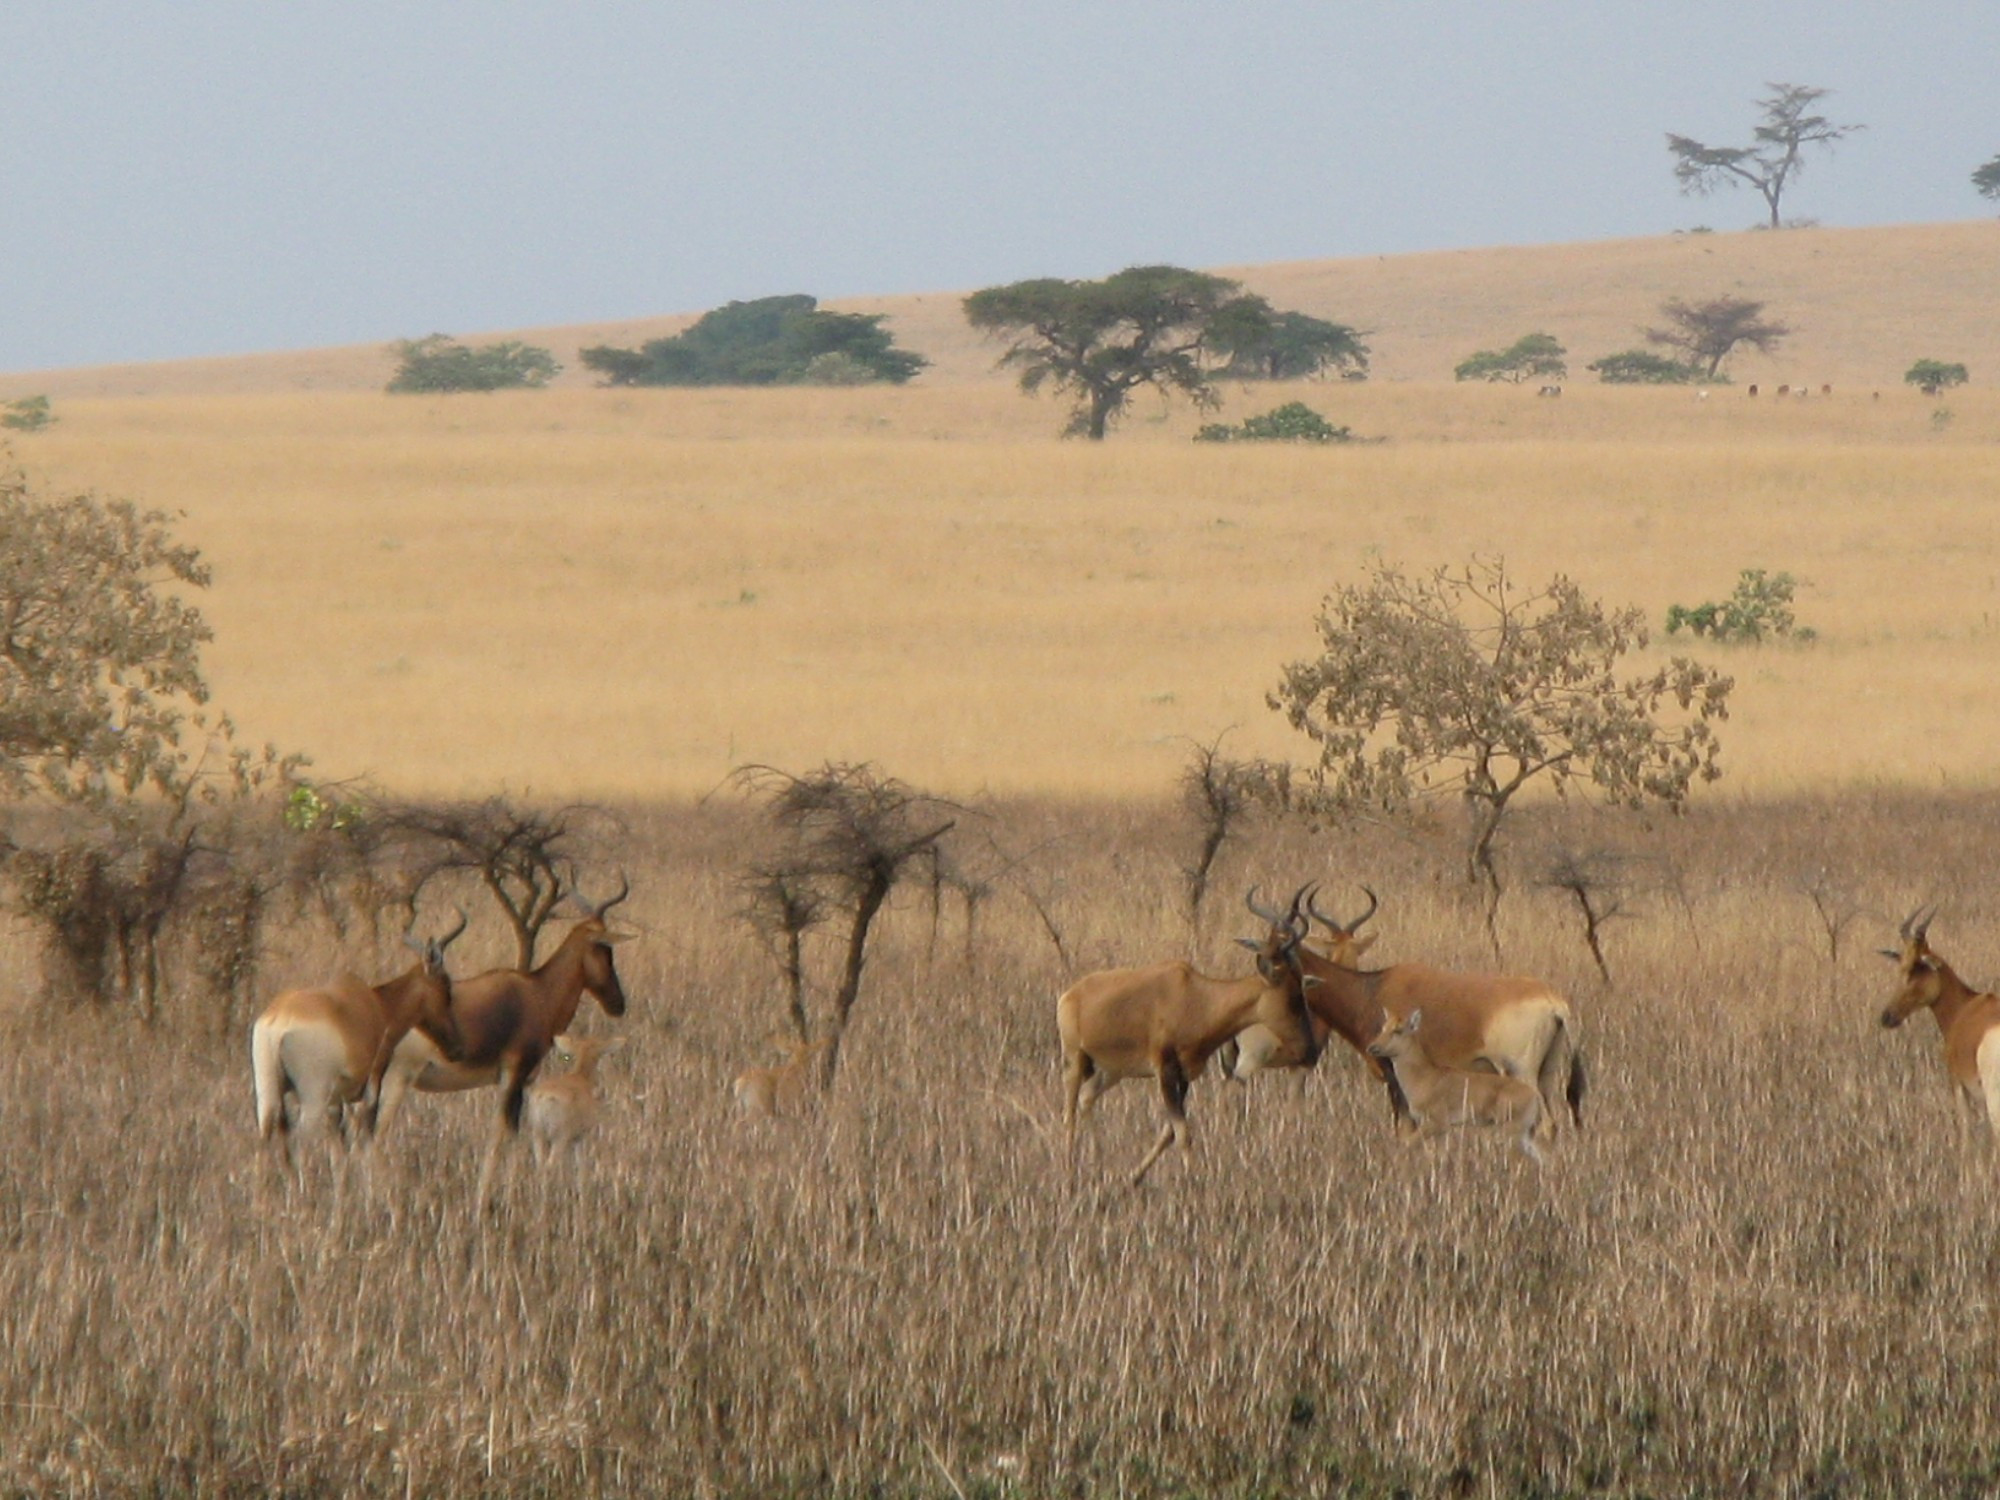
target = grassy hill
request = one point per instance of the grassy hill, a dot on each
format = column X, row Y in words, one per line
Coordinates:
column 1863, row 303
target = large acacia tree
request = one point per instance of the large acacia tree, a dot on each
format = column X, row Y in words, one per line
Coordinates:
column 1775, row 161
column 1100, row 341
column 1706, row 333
column 1461, row 682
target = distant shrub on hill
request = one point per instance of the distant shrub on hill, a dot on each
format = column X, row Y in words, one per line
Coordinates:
column 29, row 414
column 1534, row 356
column 770, row 341
column 441, row 364
column 1760, row 608
column 1294, row 422
column 1643, row 367
column 1933, row 376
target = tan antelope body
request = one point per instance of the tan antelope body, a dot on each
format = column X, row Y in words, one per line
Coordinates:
column 1968, row 1021
column 1439, row 1098
column 508, row 1019
column 1513, row 1025
column 559, row 1112
column 1165, row 1021
column 760, row 1091
column 330, row 1046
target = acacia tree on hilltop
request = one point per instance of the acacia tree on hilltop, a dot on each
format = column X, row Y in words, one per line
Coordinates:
column 1704, row 334
column 1100, row 341
column 1775, row 161
column 1461, row 682
column 1986, row 178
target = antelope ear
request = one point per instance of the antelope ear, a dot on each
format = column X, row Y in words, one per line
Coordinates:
column 1252, row 944
column 1310, row 982
column 1416, row 1016
column 608, row 937
column 1362, row 945
column 1891, row 954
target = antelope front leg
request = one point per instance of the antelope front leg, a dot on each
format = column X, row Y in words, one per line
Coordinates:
column 1173, row 1093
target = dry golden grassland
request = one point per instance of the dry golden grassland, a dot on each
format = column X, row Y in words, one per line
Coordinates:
column 628, row 593
column 1763, row 1269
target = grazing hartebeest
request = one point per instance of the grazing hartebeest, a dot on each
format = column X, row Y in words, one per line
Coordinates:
column 1969, row 1022
column 759, row 1091
column 1442, row 1097
column 331, row 1045
column 559, row 1112
column 1166, row 1021
column 507, row 1020
column 1517, row 1026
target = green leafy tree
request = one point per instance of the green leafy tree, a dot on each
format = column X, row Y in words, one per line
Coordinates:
column 786, row 340
column 1642, row 367
column 1758, row 609
column 1934, row 376
column 1704, row 334
column 440, row 364
column 1256, row 342
column 29, row 414
column 1987, row 179
column 1458, row 682
column 1100, row 341
column 1534, row 356
column 1775, row 161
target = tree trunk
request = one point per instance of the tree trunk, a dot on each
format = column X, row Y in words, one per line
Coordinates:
column 870, row 902
column 795, row 984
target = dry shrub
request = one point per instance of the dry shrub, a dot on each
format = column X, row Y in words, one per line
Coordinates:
column 1764, row 1270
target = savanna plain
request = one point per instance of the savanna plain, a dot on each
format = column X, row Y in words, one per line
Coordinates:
column 1767, row 1265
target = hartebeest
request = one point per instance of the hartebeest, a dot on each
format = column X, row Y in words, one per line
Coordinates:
column 330, row 1046
column 507, row 1020
column 1439, row 1098
column 559, row 1112
column 1166, row 1021
column 1517, row 1026
column 1969, row 1022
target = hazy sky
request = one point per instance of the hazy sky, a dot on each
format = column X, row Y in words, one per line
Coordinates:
column 184, row 177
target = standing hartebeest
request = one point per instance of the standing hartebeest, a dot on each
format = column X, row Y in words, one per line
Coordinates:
column 330, row 1046
column 1439, row 1098
column 1166, row 1021
column 1969, row 1022
column 1517, row 1026
column 507, row 1020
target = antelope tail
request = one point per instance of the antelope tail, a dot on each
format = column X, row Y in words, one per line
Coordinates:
column 1564, row 1060
column 267, row 1071
column 1577, row 1083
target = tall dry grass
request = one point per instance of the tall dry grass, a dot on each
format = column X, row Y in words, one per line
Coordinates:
column 1763, row 1269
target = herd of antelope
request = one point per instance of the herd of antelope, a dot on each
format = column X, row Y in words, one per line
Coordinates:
column 1451, row 1049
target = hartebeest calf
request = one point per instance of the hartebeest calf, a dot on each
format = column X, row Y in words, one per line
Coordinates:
column 1969, row 1022
column 559, row 1112
column 759, row 1091
column 330, row 1046
column 1166, row 1021
column 507, row 1020
column 1513, row 1025
column 1439, row 1098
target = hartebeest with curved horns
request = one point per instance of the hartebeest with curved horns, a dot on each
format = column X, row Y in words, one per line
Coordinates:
column 1969, row 1022
column 1165, row 1021
column 330, row 1046
column 1513, row 1025
column 507, row 1020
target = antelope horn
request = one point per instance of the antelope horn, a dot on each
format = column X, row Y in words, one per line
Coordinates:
column 1912, row 929
column 450, row 937
column 598, row 908
column 1373, row 902
column 1264, row 913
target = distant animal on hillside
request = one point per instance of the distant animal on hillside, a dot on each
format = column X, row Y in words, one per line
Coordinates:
column 1550, row 390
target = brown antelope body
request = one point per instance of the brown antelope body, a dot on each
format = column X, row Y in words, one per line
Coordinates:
column 559, row 1112
column 1166, row 1021
column 1968, row 1021
column 1439, row 1098
column 760, row 1091
column 1513, row 1025
column 507, row 1020
column 330, row 1046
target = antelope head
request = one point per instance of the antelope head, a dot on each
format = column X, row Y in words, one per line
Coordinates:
column 433, row 1008
column 1280, row 967
column 600, row 974
column 1395, row 1038
column 1344, row 944
column 1918, row 967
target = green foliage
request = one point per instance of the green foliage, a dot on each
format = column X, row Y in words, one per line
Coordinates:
column 1705, row 333
column 1534, row 356
column 1459, row 683
column 1932, row 376
column 310, row 809
column 1100, row 341
column 1642, row 367
column 1759, row 609
column 29, row 414
column 1294, row 422
column 440, row 364
column 1257, row 343
column 1987, row 178
column 770, row 341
